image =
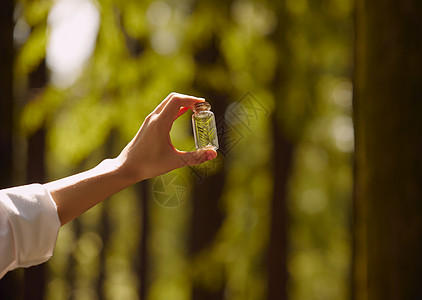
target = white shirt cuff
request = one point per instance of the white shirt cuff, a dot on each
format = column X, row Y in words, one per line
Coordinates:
column 34, row 224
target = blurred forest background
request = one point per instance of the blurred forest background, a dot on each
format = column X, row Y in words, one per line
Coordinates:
column 270, row 218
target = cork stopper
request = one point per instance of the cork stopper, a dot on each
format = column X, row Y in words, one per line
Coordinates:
column 201, row 106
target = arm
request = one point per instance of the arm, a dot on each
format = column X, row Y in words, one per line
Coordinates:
column 150, row 153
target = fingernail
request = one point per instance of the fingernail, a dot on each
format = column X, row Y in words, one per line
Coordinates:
column 211, row 154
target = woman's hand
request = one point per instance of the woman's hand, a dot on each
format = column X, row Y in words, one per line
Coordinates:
column 151, row 152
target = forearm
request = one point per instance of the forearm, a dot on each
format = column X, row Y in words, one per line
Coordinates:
column 76, row 194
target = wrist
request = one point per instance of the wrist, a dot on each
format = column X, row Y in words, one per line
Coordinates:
column 125, row 171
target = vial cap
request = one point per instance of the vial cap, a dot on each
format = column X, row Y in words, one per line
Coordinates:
column 201, row 106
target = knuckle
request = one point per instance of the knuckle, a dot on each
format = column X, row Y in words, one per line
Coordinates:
column 173, row 95
column 151, row 119
column 176, row 100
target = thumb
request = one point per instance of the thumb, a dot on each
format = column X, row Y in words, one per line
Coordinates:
column 197, row 157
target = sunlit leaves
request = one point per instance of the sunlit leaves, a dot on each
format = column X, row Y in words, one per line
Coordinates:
column 75, row 135
column 39, row 110
column 32, row 52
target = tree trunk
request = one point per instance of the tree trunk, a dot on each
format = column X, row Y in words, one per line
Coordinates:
column 6, row 92
column 105, row 227
column 9, row 284
column 388, row 128
column 206, row 221
column 142, row 266
column 206, row 215
column 282, row 161
column 35, row 277
column 277, row 253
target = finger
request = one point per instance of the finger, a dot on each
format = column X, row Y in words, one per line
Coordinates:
column 182, row 111
column 175, row 102
column 196, row 157
column 163, row 103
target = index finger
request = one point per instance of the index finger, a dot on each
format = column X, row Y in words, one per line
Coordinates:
column 175, row 102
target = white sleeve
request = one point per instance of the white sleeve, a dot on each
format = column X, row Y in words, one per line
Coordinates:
column 29, row 225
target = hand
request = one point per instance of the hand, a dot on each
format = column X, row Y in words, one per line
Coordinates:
column 151, row 152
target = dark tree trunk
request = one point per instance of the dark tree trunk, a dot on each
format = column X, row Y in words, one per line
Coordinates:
column 105, row 227
column 104, row 232
column 277, row 254
column 388, row 175
column 142, row 265
column 206, row 215
column 9, row 284
column 35, row 277
column 71, row 274
column 6, row 92
column 282, row 160
column 206, row 221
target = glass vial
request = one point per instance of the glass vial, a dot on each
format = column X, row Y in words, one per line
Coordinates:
column 204, row 129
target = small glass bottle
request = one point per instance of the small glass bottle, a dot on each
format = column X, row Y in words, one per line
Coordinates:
column 204, row 129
